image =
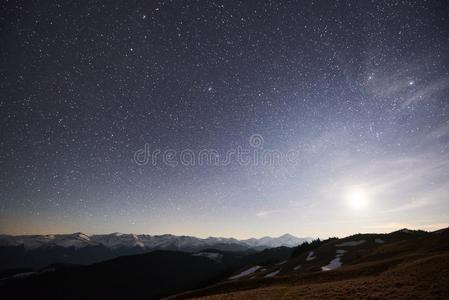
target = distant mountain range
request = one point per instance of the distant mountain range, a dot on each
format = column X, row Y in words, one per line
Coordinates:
column 37, row 251
column 148, row 242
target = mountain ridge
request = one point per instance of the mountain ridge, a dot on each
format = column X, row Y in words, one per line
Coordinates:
column 146, row 241
column 37, row 251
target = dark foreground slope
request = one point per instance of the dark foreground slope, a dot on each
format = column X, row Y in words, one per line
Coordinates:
column 402, row 265
column 13, row 257
column 146, row 276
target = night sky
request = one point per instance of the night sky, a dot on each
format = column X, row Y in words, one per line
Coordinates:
column 359, row 90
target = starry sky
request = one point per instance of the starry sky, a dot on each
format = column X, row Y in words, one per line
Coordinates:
column 358, row 89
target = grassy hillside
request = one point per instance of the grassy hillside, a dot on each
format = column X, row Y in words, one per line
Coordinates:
column 145, row 276
column 401, row 265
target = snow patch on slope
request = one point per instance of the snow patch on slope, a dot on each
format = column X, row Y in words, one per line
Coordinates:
column 336, row 262
column 211, row 255
column 245, row 273
column 311, row 256
column 350, row 243
column 272, row 274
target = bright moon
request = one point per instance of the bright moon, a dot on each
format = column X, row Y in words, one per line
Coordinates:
column 356, row 198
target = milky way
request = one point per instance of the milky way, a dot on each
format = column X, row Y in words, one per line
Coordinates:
column 360, row 92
